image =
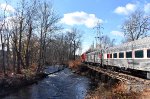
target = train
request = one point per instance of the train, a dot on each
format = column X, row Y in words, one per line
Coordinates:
column 132, row 56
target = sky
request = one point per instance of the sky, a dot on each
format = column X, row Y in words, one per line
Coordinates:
column 84, row 15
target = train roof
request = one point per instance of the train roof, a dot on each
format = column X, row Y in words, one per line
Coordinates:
column 137, row 44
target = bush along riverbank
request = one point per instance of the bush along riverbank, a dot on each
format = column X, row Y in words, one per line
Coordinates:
column 12, row 81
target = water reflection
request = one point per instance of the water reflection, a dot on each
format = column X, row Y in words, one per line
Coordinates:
column 62, row 85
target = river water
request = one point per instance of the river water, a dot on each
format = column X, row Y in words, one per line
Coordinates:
column 60, row 85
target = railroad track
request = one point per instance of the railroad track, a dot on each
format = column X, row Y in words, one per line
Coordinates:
column 120, row 76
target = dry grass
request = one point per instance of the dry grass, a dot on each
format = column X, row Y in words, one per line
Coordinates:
column 74, row 63
column 145, row 94
column 24, row 72
column 118, row 91
column 121, row 91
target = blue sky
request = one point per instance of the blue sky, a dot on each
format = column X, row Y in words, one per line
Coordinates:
column 84, row 14
column 112, row 13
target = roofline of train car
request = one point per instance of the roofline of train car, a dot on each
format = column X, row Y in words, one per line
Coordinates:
column 123, row 46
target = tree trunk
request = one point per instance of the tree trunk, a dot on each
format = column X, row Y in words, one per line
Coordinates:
column 8, row 51
column 74, row 50
column 27, row 56
column 3, row 54
column 14, row 60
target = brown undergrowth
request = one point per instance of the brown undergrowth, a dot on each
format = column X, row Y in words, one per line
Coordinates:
column 13, row 80
column 117, row 91
column 74, row 64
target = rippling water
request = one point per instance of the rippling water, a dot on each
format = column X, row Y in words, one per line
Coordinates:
column 61, row 85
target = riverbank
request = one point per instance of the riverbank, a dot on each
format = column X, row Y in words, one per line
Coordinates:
column 13, row 82
column 17, row 81
column 20, row 80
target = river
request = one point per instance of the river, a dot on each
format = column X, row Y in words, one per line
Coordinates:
column 60, row 85
column 67, row 85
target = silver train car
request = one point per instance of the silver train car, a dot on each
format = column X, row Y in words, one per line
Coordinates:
column 131, row 56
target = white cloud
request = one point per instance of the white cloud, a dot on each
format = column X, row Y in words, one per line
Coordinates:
column 147, row 8
column 7, row 7
column 81, row 18
column 117, row 33
column 125, row 10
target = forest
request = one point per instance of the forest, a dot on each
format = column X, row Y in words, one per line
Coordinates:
column 32, row 37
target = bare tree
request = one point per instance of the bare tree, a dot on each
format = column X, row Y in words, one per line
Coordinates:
column 28, row 38
column 18, row 34
column 3, row 40
column 62, row 47
column 47, row 25
column 107, row 42
column 136, row 26
column 74, row 40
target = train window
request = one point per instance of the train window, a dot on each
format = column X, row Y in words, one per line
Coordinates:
column 148, row 53
column 115, row 55
column 121, row 55
column 129, row 54
column 110, row 55
column 139, row 54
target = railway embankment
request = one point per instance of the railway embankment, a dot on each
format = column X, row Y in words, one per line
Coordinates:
column 110, row 84
column 124, row 77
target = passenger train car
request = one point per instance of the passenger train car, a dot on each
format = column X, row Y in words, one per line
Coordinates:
column 131, row 56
